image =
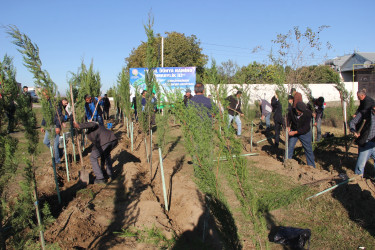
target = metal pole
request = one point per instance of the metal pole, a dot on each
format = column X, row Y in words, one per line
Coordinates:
column 127, row 127
column 234, row 156
column 251, row 136
column 148, row 160
column 131, row 135
column 55, row 174
column 39, row 218
column 66, row 158
column 313, row 130
column 163, row 181
column 74, row 148
column 162, row 51
column 341, row 183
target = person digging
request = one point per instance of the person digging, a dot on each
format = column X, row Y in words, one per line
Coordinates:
column 104, row 141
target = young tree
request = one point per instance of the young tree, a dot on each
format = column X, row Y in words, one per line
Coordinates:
column 293, row 50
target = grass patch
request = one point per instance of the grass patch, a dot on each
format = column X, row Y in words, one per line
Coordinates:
column 329, row 222
column 151, row 235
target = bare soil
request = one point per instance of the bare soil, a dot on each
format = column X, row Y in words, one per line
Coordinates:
column 93, row 216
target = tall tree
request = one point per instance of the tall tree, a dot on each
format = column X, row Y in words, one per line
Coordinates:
column 179, row 51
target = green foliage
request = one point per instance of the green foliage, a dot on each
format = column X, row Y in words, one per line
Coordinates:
column 85, row 81
column 179, row 51
column 318, row 74
column 42, row 78
column 256, row 73
column 227, row 70
column 123, row 92
column 22, row 220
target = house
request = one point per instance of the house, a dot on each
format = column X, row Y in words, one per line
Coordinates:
column 357, row 67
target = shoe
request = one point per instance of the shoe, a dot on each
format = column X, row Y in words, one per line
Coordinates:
column 99, row 181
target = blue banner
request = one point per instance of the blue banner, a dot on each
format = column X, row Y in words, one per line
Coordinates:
column 169, row 77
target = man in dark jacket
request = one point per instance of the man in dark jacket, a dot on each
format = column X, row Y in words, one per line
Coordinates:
column 27, row 96
column 187, row 96
column 365, row 139
column 299, row 129
column 103, row 141
column 318, row 115
column 277, row 110
column 234, row 110
column 365, row 104
column 106, row 107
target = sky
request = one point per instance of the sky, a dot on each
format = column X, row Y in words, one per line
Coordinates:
column 68, row 31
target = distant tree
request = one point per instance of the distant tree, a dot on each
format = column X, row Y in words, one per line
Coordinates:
column 111, row 92
column 227, row 70
column 256, row 73
column 179, row 51
column 318, row 74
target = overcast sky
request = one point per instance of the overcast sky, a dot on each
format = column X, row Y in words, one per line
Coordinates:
column 106, row 31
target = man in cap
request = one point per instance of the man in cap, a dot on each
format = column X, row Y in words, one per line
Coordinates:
column 299, row 129
column 187, row 96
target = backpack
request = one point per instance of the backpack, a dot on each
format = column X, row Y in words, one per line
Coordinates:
column 296, row 238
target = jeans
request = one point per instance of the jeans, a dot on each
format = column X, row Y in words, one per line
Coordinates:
column 364, row 153
column 306, row 143
column 278, row 127
column 268, row 120
column 47, row 142
column 105, row 154
column 238, row 122
column 99, row 119
column 106, row 113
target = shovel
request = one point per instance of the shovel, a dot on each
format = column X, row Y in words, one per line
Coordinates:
column 83, row 173
column 359, row 131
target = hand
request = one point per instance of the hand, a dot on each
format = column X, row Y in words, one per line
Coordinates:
column 354, row 116
column 76, row 125
column 288, row 128
column 99, row 98
column 356, row 135
column 292, row 133
column 314, row 115
column 315, row 124
column 64, row 124
column 262, row 117
column 57, row 130
column 42, row 130
column 242, row 115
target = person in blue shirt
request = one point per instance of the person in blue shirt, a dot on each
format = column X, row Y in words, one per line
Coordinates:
column 91, row 113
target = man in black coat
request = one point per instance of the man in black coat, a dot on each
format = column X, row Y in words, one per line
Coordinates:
column 365, row 104
column 103, row 141
column 277, row 110
column 299, row 129
column 106, row 107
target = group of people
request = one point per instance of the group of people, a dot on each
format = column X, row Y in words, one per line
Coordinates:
column 103, row 140
column 298, row 124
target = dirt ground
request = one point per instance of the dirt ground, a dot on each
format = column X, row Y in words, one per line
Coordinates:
column 93, row 216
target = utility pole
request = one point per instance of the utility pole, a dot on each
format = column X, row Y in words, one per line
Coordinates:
column 162, row 52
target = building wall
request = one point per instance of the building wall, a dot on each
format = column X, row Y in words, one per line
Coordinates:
column 267, row 91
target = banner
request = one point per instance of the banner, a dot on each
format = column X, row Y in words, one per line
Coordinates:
column 169, row 77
